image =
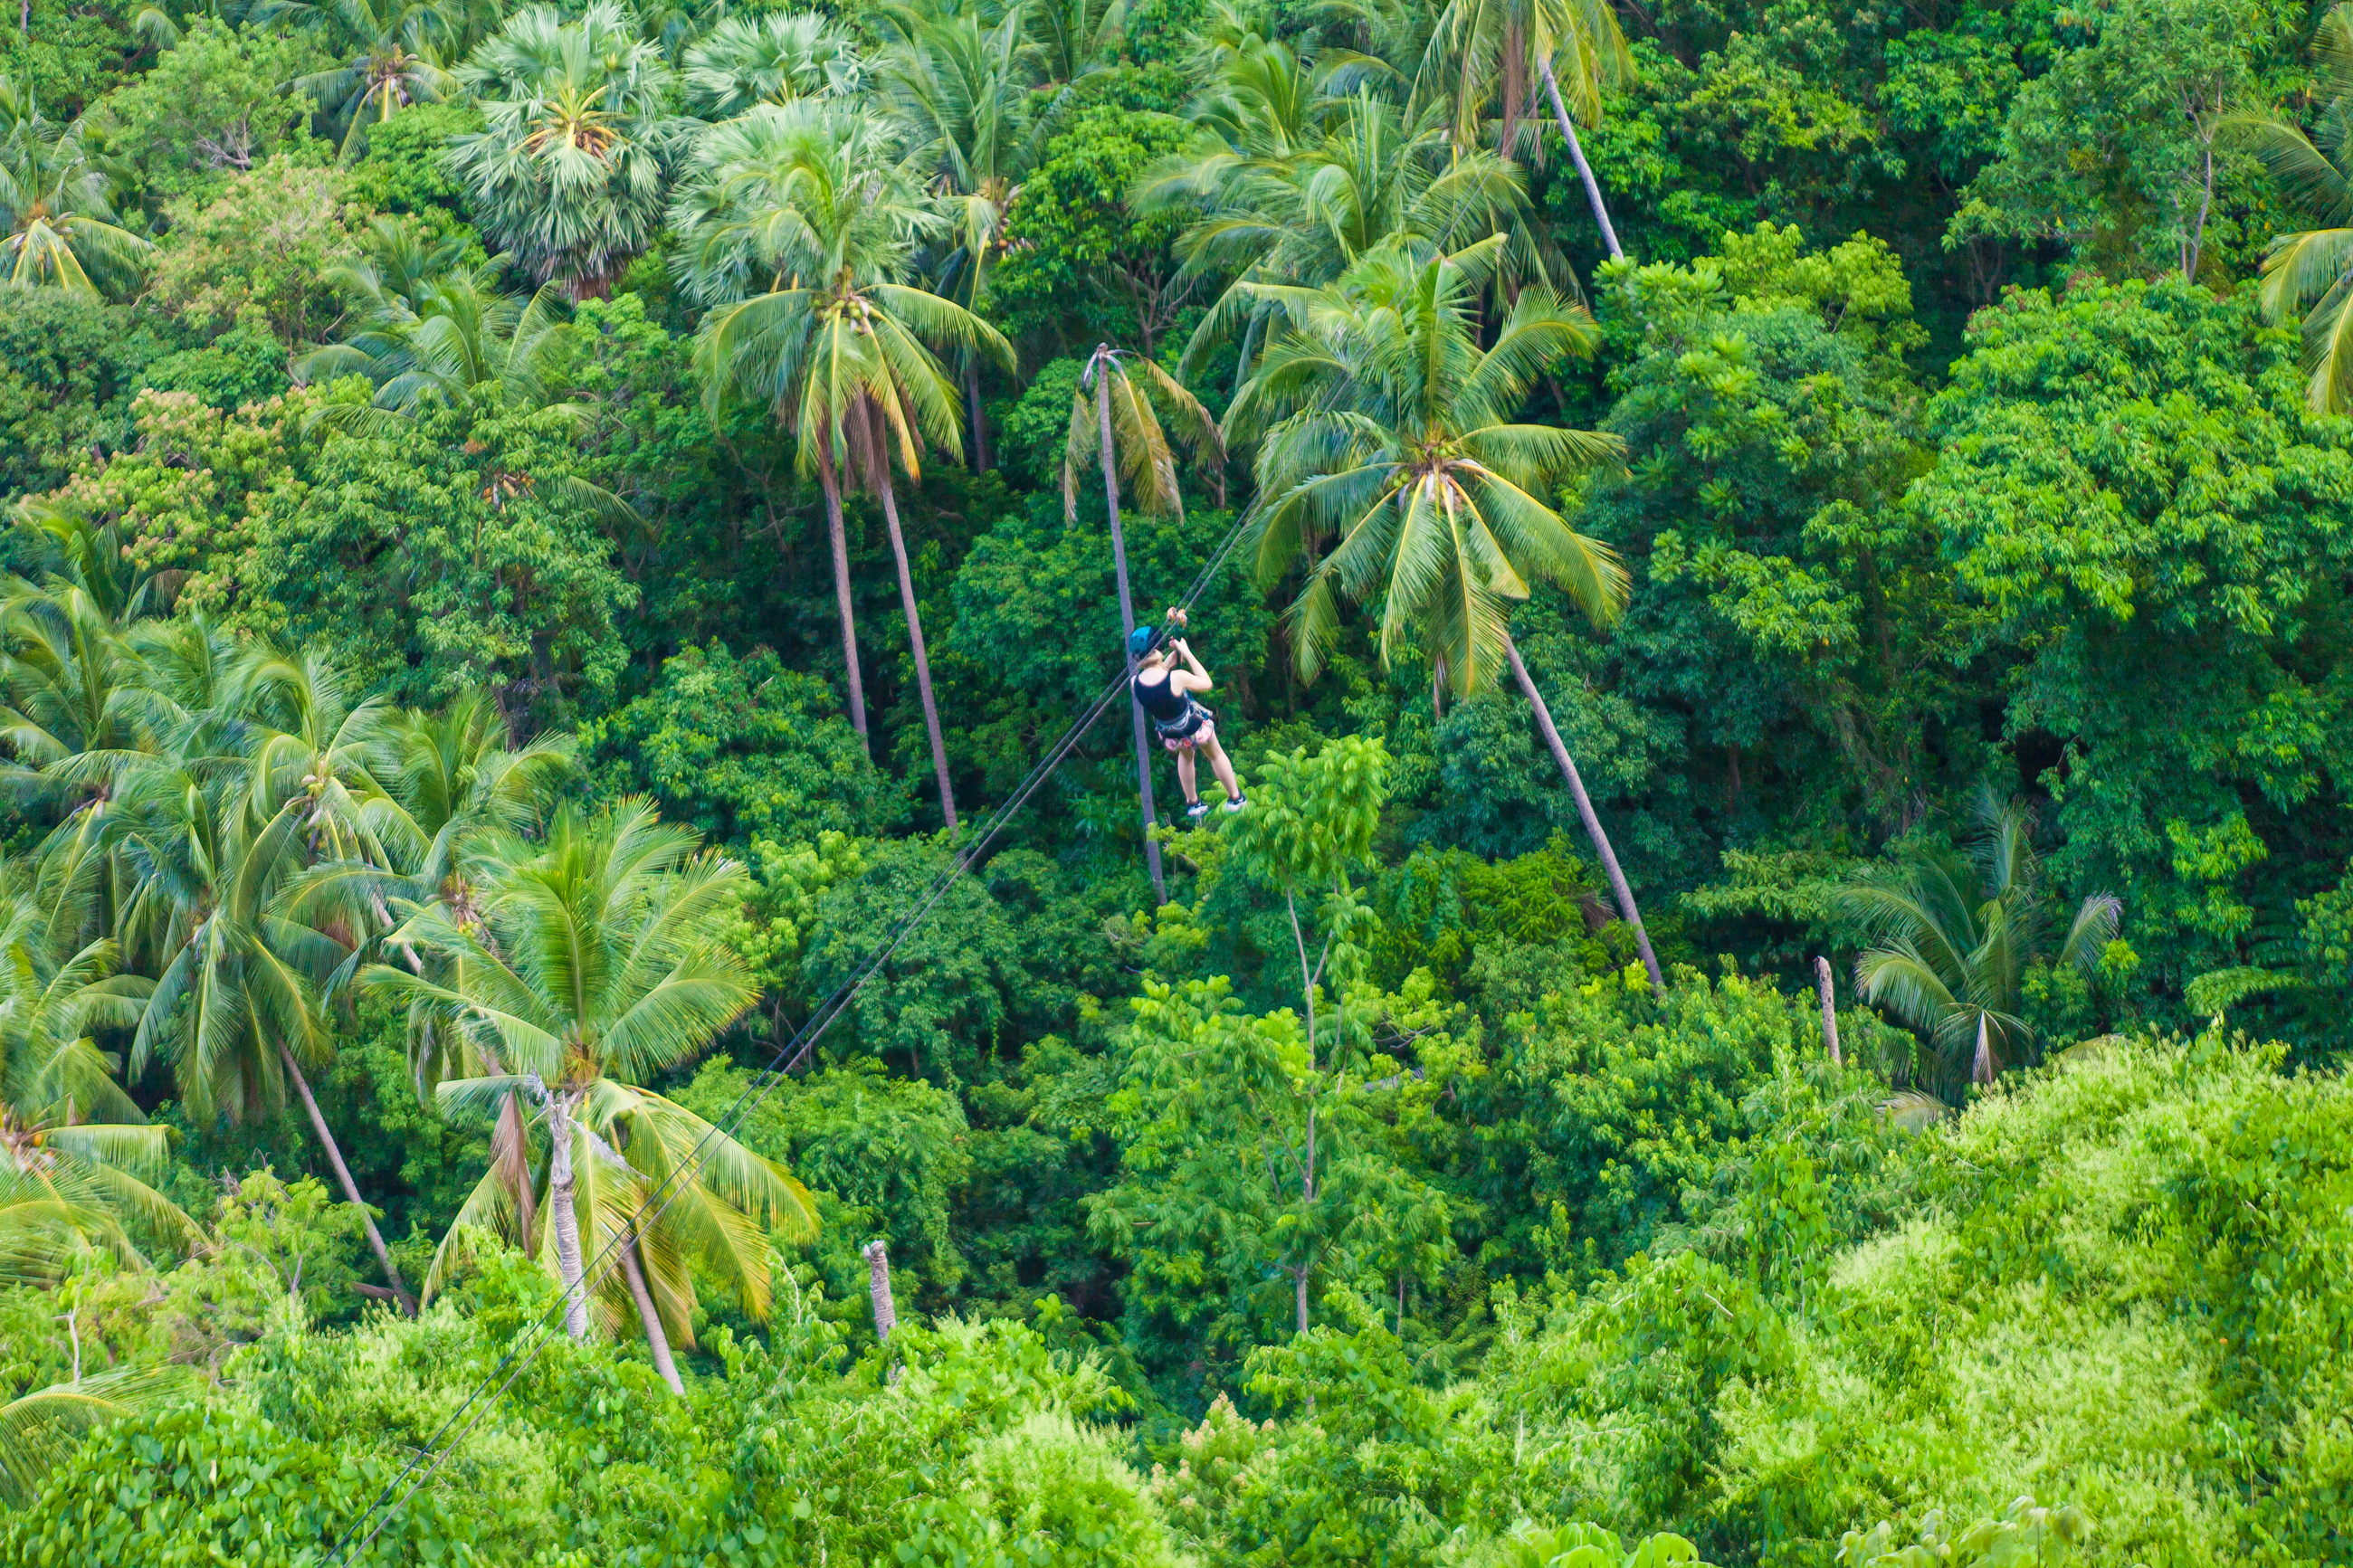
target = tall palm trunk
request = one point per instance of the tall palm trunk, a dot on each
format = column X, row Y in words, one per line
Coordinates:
column 881, row 459
column 1127, row 626
column 565, row 1216
column 351, row 1188
column 656, row 1340
column 1618, row 888
column 972, row 411
column 1983, row 1069
column 1577, row 154
column 831, row 483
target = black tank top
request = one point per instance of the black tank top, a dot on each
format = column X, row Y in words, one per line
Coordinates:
column 1161, row 701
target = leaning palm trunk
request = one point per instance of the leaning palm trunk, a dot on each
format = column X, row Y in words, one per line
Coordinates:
column 656, row 1340
column 351, row 1188
column 881, row 459
column 1126, row 630
column 565, row 1216
column 1618, row 888
column 831, row 484
column 1982, row 1067
column 1584, row 169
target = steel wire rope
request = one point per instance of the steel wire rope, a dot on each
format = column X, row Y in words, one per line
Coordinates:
column 787, row 1059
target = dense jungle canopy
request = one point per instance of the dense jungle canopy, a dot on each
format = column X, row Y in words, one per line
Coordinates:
column 595, row 968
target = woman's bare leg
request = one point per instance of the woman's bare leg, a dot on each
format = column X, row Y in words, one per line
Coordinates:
column 1186, row 775
column 1223, row 769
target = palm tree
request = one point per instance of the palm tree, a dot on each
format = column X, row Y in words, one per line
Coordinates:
column 57, row 225
column 207, row 835
column 1387, row 429
column 2310, row 271
column 774, row 58
column 812, row 202
column 1487, row 47
column 73, row 1147
column 1124, row 431
column 595, row 960
column 962, row 86
column 1294, row 187
column 390, row 54
column 426, row 327
column 1952, row 934
column 38, row 1431
column 568, row 174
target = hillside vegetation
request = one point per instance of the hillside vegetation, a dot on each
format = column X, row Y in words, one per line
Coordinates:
column 596, row 966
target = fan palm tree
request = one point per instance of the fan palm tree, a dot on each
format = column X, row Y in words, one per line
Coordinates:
column 812, row 204
column 774, row 58
column 1484, row 48
column 57, row 224
column 593, row 961
column 568, row 175
column 389, row 54
column 1124, row 431
column 1952, row 934
column 1387, row 431
column 2309, row 272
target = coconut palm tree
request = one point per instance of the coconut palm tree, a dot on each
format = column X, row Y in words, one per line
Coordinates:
column 594, row 959
column 424, row 326
column 2309, row 272
column 1951, row 934
column 73, row 1147
column 1484, row 48
column 205, row 837
column 38, row 1431
column 774, row 58
column 962, row 86
column 1119, row 425
column 389, row 54
column 1387, row 432
column 1294, row 187
column 56, row 224
column 568, row 176
column 814, row 205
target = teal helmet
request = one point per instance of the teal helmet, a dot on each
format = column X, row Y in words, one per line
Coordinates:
column 1141, row 641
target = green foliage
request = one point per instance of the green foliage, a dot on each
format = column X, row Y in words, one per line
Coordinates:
column 207, row 1484
column 743, row 750
column 209, row 110
column 1074, row 238
column 258, row 241
column 68, row 370
column 2190, row 570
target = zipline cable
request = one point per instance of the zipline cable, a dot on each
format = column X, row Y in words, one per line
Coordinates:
column 527, row 1344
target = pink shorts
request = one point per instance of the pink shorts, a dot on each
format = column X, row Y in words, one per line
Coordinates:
column 1205, row 730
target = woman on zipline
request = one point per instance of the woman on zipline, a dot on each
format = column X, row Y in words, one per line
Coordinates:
column 1165, row 689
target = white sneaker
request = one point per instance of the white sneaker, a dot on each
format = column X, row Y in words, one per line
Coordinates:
column 1197, row 810
column 1236, row 804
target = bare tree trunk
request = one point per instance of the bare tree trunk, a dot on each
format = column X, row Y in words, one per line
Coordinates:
column 1982, row 1067
column 1127, row 622
column 876, row 1253
column 1830, row 1009
column 972, row 411
column 914, row 617
column 831, row 484
column 1584, row 169
column 1299, row 1295
column 1618, row 888
column 343, row 1177
column 567, row 1218
column 656, row 1340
